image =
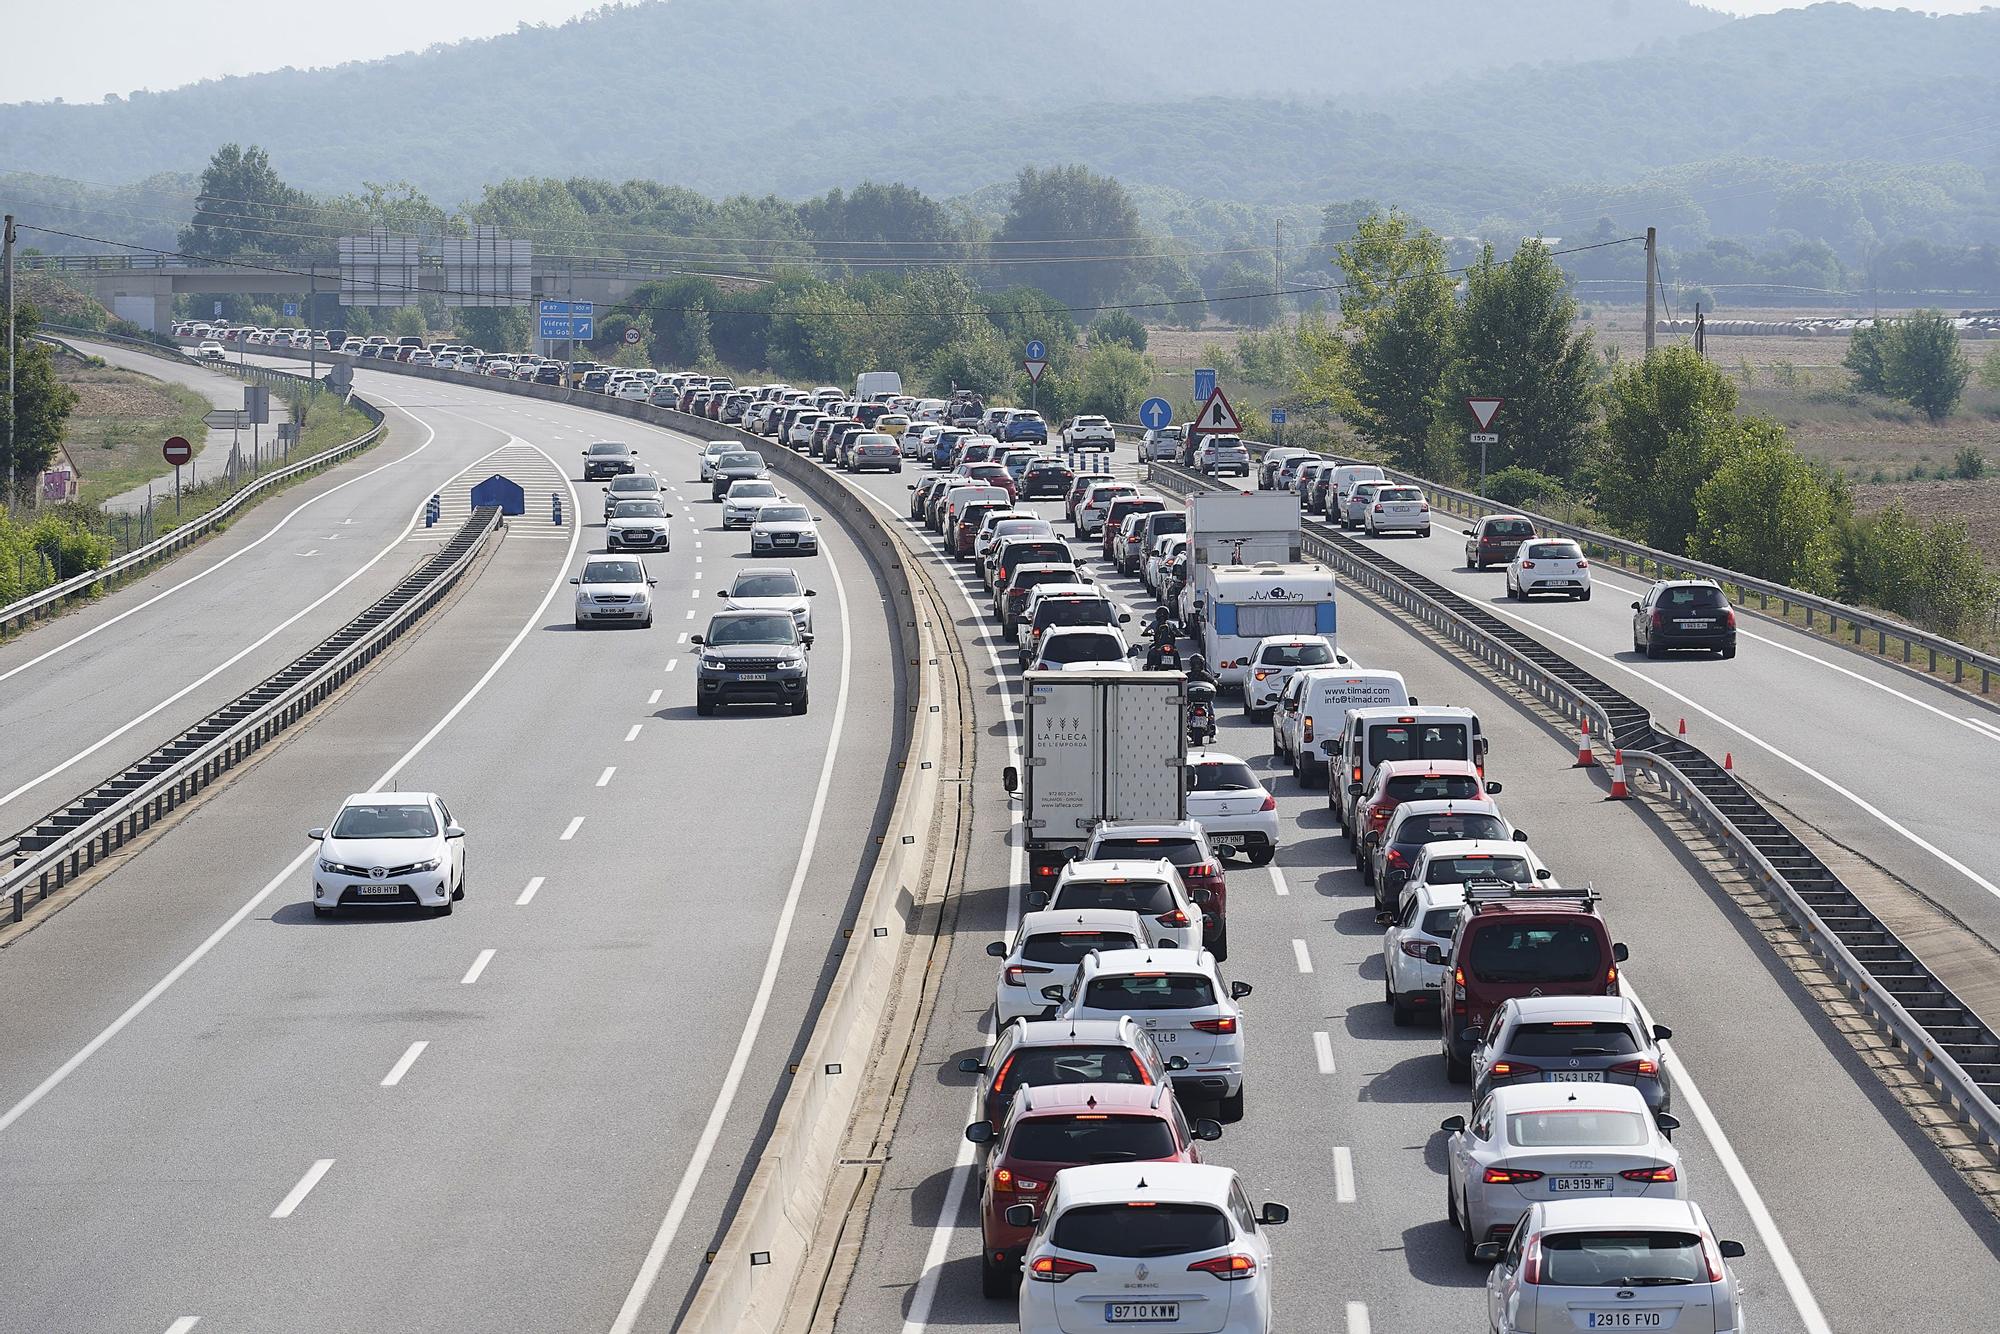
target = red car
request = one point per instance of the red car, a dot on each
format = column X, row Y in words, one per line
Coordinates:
column 1051, row 1127
column 1397, row 781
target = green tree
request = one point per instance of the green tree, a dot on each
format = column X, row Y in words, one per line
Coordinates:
column 1399, row 309
column 1066, row 213
column 1119, row 326
column 1926, row 367
column 244, row 208
column 850, row 227
column 1867, row 358
column 1516, row 338
column 1109, row 379
column 1931, row 574
column 40, row 406
column 982, row 361
column 1989, row 371
column 1668, row 421
column 1768, row 512
column 495, row 328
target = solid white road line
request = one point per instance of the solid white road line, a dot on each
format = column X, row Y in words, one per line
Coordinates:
column 1303, row 958
column 1323, row 1052
column 1278, row 881
column 636, row 728
column 753, row 1024
column 184, row 1324
column 215, row 937
column 191, row 580
column 1983, row 726
column 569, row 830
column 1883, row 816
column 303, row 1189
column 1357, row 1318
column 403, row 1064
column 1343, row 1175
column 478, row 967
column 528, row 894
column 604, row 778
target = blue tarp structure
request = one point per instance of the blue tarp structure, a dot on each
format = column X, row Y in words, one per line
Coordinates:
column 497, row 490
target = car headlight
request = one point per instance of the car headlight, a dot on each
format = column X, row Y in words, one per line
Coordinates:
column 709, row 664
column 327, row 866
column 430, row 865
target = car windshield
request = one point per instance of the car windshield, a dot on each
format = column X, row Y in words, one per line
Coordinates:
column 1578, row 1037
column 1134, row 992
column 1069, row 947
column 1091, row 1138
column 1082, row 648
column 1140, row 896
column 399, row 820
column 740, row 461
column 1449, row 827
column 1585, row 1127
column 1503, row 951
column 1622, row 1259
column 639, row 509
column 1142, row 1228
column 783, row 514
column 1223, row 776
column 1074, row 611
column 613, row 572
column 1432, row 787
column 751, row 630
column 634, row 484
column 766, row 585
column 1554, row 551
column 753, row 491
column 1409, row 741
column 1181, row 851
column 1466, row 870
column 608, row 449
column 1068, row 1065
column 1510, row 528
column 1295, row 655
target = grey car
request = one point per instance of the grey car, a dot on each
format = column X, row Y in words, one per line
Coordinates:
column 608, row 458
column 1586, row 1040
column 752, row 657
column 733, row 468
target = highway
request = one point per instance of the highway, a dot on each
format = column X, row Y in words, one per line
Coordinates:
column 214, row 1107
column 1846, row 1209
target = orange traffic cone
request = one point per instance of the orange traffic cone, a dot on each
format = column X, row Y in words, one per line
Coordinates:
column 1584, row 759
column 1684, row 727
column 1728, row 762
column 1619, row 792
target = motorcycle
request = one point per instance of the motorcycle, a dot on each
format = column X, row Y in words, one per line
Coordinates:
column 1164, row 656
column 1201, row 713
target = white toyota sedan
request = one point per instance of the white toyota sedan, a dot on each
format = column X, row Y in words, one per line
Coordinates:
column 1548, row 566
column 389, row 848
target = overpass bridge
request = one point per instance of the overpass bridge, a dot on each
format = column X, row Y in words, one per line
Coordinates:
column 142, row 288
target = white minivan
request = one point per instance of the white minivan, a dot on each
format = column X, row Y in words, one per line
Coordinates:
column 1370, row 736
column 1314, row 706
column 1341, row 489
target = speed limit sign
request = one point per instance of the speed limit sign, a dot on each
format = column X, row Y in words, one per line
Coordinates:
column 632, row 337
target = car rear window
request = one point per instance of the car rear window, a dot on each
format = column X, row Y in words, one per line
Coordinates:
column 1073, row 611
column 1582, row 1037
column 1082, row 648
column 1410, row 741
column 1295, row 655
column 1035, row 553
column 1164, row 523
column 1450, row 827
column 1433, row 787
column 1465, row 870
column 1695, row 596
column 1223, row 776
column 1141, row 1229
column 1028, row 578
column 1138, row 895
column 1069, row 947
column 1584, row 1128
column 1399, row 493
column 1622, row 1259
column 1090, row 1137
column 1554, row 551
column 1069, row 1065
column 1510, row 528
column 1502, row 951
column 1181, row 852
column 1150, row 991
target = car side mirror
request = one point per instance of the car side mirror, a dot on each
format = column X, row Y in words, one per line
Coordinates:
column 1433, row 954
column 998, row 949
column 1010, row 778
column 807, row 640
column 652, row 583
column 1274, row 1215
column 1667, row 1122
column 1206, row 1129
column 1520, row 836
column 1661, row 1033
column 1470, row 533
column 1354, row 789
column 1124, row 616
column 697, row 639
column 1238, row 990
column 1414, row 701
column 1053, row 994
column 1544, row 873
column 1176, row 1063
column 1635, row 606
column 812, row 592
column 1329, row 747
column 1385, row 919
column 1731, row 1250
column 454, row 831
column 1452, row 1124
column 1470, row 1036
column 1619, row 953
column 722, row 592
column 315, row 835
column 1021, row 1215
column 980, row 1132
column 970, row 1065
column 575, row 580
column 1489, row 1251
column 1492, row 788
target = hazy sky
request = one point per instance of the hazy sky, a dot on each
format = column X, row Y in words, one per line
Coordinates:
column 116, row 46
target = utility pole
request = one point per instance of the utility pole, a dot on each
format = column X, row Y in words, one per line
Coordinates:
column 7, row 280
column 1652, row 281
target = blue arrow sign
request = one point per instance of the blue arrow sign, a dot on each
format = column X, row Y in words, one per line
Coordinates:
column 1155, row 413
column 1037, row 350
column 1204, row 384
column 291, row 309
column 583, row 327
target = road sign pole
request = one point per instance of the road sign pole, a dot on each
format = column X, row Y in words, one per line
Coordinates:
column 177, row 490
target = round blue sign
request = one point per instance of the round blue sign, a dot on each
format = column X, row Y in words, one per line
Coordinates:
column 1156, row 413
column 1037, row 350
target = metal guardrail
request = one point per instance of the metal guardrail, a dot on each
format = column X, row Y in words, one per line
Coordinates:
column 63, row 845
column 1950, row 1045
column 36, row 605
column 1963, row 660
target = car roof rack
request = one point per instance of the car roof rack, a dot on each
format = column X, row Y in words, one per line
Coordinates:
column 1492, row 893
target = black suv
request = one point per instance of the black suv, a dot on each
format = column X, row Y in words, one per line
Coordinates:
column 751, row 657
column 608, row 458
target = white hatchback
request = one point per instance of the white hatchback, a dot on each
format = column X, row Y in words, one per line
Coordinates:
column 1567, row 1264
column 1166, row 1245
column 1046, row 951
column 1232, row 805
column 1181, row 1001
column 389, row 848
column 1152, row 889
column 1425, row 917
column 1276, row 659
column 1548, row 566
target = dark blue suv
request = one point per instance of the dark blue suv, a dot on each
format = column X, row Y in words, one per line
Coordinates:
column 1024, row 426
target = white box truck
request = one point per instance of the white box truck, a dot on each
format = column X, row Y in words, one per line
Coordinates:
column 872, row 385
column 1096, row 746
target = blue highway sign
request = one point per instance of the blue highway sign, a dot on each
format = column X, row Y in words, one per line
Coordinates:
column 1204, row 384
column 1155, row 413
column 1037, row 350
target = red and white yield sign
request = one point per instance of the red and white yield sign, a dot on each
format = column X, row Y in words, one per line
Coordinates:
column 177, row 451
column 1483, row 410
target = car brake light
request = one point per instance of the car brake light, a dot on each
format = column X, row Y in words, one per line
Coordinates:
column 1270, row 803
column 1174, row 918
column 1057, row 1268
column 1261, row 673
column 1713, row 1255
column 1228, row 1268
column 1415, row 948
column 1306, row 729
column 1527, row 565
column 1226, row 1024
column 1583, row 565
column 1643, row 1068
column 1357, row 773
column 1729, row 619
column 1531, row 1263
column 1510, row 1176
column 1378, row 509
column 1658, row 1172
column 1512, row 1070
column 1659, row 619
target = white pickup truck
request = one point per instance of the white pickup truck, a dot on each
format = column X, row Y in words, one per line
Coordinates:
column 1089, row 433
